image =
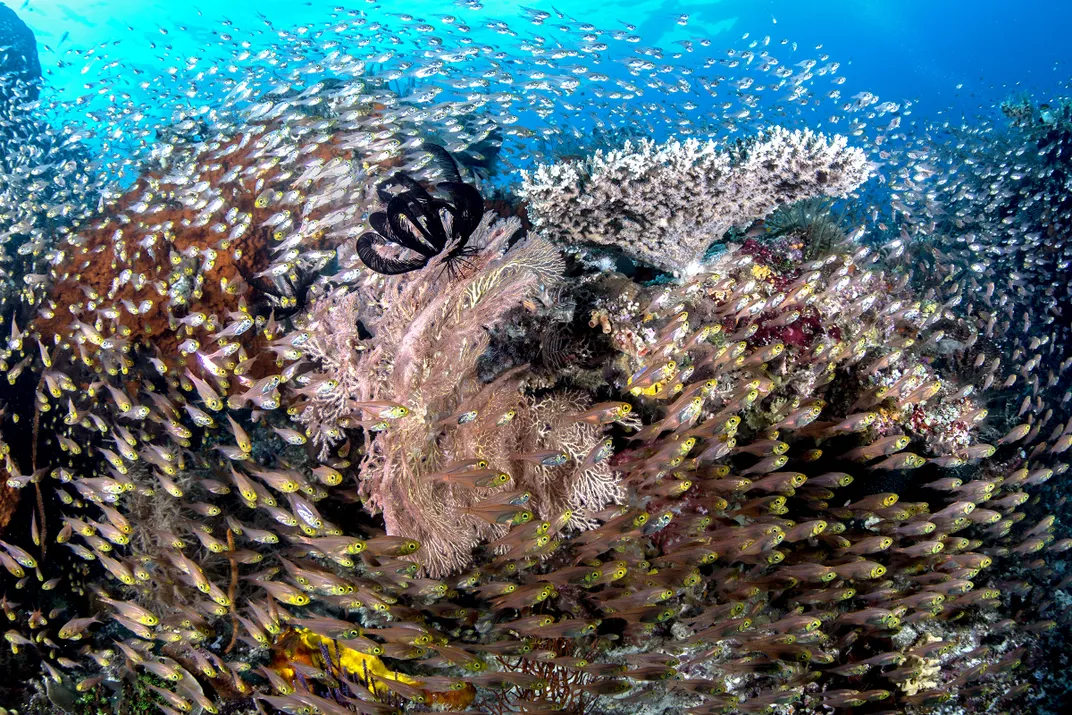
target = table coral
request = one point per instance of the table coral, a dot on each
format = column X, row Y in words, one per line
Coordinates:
column 665, row 204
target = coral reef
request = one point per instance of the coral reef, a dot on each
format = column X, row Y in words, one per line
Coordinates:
column 743, row 554
column 168, row 264
column 810, row 221
column 441, row 441
column 301, row 426
column 665, row 204
column 9, row 499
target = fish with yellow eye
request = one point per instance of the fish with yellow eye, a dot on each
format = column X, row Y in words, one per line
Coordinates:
column 604, row 413
column 921, row 548
column 764, row 466
column 764, row 355
column 382, row 409
column 603, row 450
column 853, row 423
column 871, row 617
column 784, row 482
column 879, row 448
column 901, row 460
column 117, row 568
column 528, row 595
column 327, row 476
column 568, row 628
column 285, row 482
column 871, row 502
column 544, row 458
column 305, row 511
column 391, row 546
column 494, row 512
column 19, row 555
column 685, row 414
column 474, row 478
column 285, row 593
column 660, row 522
column 800, row 418
column 575, row 575
column 870, row 545
column 870, row 398
column 266, row 197
column 75, row 628
column 921, row 394
column 648, row 375
column 667, row 488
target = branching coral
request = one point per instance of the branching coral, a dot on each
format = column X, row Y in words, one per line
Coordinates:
column 552, row 676
column 665, row 204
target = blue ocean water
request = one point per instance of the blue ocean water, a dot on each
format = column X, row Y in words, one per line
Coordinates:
column 958, row 56
column 928, row 63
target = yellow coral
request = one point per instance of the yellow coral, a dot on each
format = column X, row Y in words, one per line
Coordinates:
column 760, row 272
column 302, row 645
column 928, row 670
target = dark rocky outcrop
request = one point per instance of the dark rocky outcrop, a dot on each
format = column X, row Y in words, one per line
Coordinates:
column 18, row 55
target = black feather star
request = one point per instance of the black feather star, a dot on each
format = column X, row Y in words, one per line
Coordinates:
column 423, row 224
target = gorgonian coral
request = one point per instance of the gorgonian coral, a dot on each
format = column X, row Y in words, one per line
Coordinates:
column 428, row 330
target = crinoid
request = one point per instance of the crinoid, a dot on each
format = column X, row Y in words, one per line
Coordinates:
column 812, row 220
column 422, row 224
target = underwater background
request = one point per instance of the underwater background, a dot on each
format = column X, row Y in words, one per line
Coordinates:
column 658, row 357
column 912, row 50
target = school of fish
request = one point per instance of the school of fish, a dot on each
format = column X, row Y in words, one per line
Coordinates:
column 797, row 477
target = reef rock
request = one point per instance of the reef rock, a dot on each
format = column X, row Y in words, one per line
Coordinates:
column 18, row 55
